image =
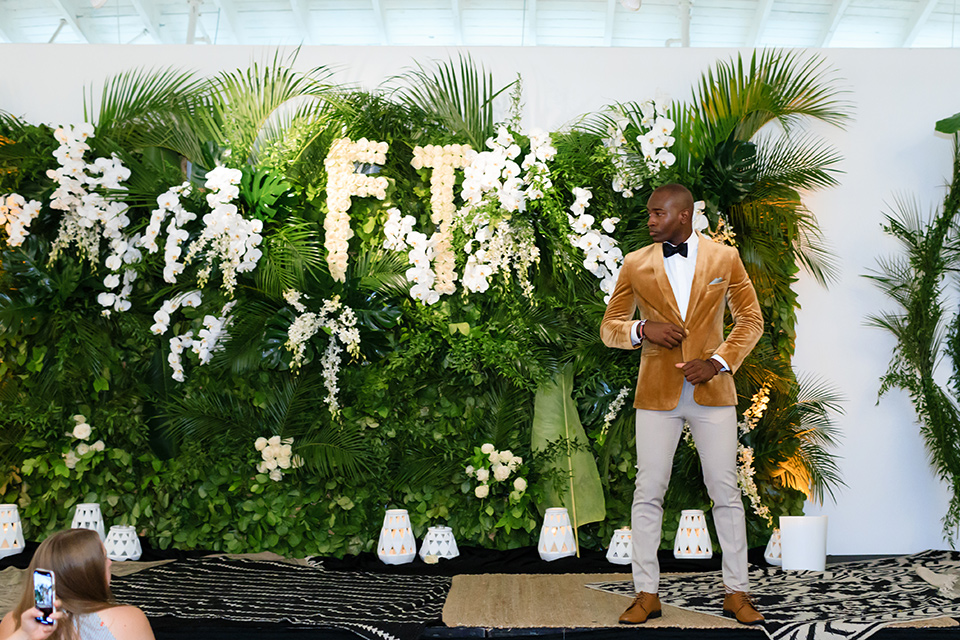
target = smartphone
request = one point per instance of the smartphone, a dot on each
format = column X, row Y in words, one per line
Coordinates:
column 44, row 594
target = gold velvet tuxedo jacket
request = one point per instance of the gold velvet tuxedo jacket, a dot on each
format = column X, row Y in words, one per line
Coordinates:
column 719, row 277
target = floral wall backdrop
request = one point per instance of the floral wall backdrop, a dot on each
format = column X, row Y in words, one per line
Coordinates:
column 252, row 311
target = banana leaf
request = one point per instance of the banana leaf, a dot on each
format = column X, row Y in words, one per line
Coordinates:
column 555, row 419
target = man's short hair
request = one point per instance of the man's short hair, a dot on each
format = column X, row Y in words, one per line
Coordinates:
column 680, row 192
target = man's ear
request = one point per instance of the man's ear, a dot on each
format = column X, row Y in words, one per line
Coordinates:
column 686, row 215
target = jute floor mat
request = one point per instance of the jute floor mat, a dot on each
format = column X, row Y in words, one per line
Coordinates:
column 535, row 601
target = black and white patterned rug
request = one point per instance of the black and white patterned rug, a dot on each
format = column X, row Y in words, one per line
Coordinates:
column 256, row 592
column 849, row 601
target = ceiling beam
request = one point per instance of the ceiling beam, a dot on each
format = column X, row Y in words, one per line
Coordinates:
column 378, row 21
column 529, row 35
column 302, row 15
column 764, row 7
column 608, row 29
column 150, row 18
column 457, row 22
column 229, row 14
column 68, row 12
column 917, row 22
column 833, row 21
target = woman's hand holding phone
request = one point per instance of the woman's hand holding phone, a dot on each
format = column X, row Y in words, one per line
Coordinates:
column 33, row 630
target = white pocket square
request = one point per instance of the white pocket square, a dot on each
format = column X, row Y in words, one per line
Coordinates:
column 716, row 281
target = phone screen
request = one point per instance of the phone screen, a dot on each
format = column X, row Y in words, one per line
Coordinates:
column 44, row 593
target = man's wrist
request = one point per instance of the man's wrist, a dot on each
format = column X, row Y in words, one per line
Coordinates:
column 717, row 365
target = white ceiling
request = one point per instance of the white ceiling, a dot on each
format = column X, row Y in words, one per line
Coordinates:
column 593, row 23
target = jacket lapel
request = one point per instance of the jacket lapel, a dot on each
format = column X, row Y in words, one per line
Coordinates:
column 700, row 274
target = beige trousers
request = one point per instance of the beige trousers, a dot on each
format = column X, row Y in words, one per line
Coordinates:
column 714, row 431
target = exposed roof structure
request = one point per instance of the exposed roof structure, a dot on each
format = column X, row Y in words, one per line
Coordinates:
column 589, row 23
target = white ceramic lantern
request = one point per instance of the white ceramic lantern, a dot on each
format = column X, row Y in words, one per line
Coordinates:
column 439, row 542
column 122, row 543
column 87, row 516
column 397, row 544
column 803, row 543
column 11, row 532
column 693, row 539
column 772, row 553
column 620, row 546
column 556, row 535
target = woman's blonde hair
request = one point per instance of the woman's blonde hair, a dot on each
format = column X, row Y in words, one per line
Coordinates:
column 79, row 563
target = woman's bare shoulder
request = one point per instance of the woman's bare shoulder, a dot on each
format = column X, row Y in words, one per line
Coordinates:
column 127, row 622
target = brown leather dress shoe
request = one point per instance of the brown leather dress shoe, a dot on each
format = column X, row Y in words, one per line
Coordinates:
column 644, row 607
column 739, row 605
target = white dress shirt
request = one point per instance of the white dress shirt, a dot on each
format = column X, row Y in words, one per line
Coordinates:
column 680, row 272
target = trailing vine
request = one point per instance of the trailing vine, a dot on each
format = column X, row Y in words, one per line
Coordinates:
column 917, row 282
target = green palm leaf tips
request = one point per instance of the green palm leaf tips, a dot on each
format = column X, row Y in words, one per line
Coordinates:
column 556, row 422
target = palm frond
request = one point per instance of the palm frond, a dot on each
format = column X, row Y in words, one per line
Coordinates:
column 148, row 108
column 460, row 96
column 291, row 253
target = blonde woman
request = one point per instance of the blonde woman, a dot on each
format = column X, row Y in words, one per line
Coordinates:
column 86, row 609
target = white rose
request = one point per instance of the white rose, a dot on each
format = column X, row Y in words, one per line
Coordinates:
column 501, row 472
column 470, row 470
column 520, row 484
column 97, row 446
column 506, row 456
column 276, row 475
column 482, row 491
column 79, row 418
column 71, row 459
column 494, row 458
column 483, row 475
column 82, row 431
column 487, row 448
column 260, row 443
column 82, row 449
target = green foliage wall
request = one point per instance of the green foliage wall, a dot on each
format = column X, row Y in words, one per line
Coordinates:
column 428, row 384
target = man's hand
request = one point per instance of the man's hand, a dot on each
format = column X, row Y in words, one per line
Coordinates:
column 663, row 334
column 697, row 371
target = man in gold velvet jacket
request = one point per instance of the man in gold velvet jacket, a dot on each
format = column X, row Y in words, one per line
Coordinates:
column 681, row 285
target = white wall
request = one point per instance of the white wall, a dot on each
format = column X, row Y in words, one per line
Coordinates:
column 894, row 502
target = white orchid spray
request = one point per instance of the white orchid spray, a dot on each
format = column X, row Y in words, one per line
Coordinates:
column 340, row 322
column 654, row 139
column 613, row 411
column 602, row 257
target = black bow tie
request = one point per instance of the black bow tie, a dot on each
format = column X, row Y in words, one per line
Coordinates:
column 669, row 249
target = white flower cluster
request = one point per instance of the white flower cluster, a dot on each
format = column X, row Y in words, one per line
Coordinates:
column 655, row 141
column 603, row 256
column 444, row 161
column 613, row 410
column 16, row 214
column 745, row 473
column 88, row 214
column 340, row 321
column 81, row 431
column 510, row 243
column 207, row 341
column 277, row 455
column 227, row 236
column 169, row 203
column 161, row 319
column 343, row 183
column 421, row 251
column 537, row 175
column 497, row 467
column 758, row 405
column 494, row 172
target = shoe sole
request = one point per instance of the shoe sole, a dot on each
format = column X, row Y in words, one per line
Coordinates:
column 730, row 614
column 650, row 616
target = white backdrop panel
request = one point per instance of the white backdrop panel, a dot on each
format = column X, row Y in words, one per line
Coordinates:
column 893, row 502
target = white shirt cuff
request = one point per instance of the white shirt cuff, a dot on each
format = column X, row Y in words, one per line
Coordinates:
column 634, row 336
column 721, row 361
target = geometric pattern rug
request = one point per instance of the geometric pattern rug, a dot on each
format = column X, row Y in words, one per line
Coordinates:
column 258, row 592
column 848, row 601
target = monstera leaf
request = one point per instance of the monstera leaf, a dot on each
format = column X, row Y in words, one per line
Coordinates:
column 555, row 418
